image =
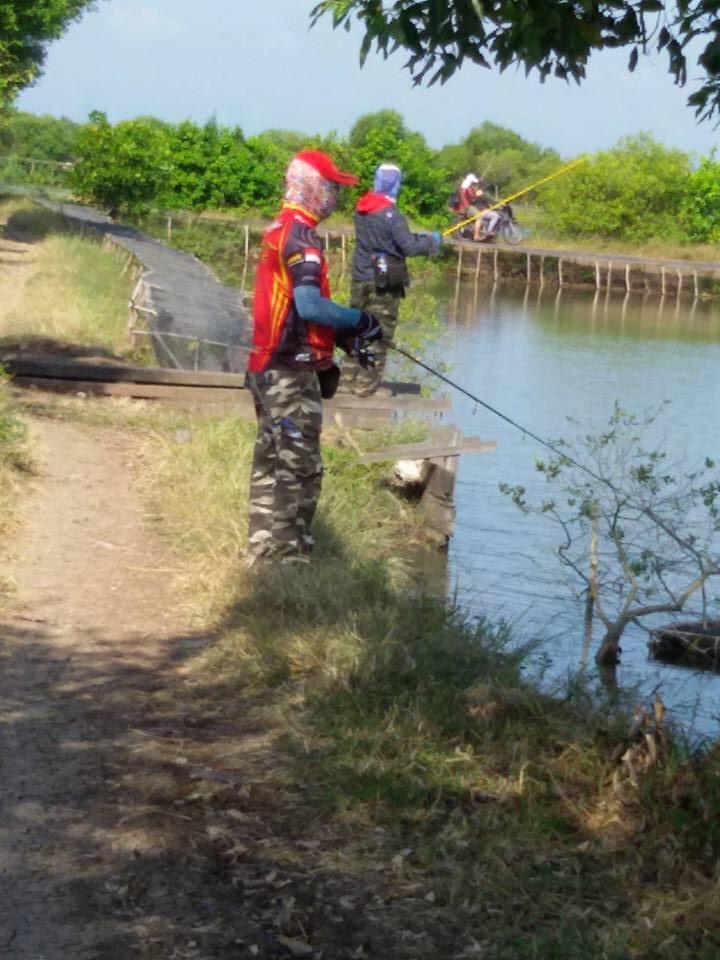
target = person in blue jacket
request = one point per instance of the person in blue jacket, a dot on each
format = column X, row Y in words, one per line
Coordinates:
column 383, row 241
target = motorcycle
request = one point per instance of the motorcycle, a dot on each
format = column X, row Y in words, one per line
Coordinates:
column 507, row 228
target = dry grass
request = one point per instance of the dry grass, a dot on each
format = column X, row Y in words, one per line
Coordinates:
column 75, row 295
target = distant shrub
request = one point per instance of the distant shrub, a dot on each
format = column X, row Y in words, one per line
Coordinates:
column 702, row 203
column 635, row 192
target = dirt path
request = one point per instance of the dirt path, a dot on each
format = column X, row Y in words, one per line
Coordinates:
column 136, row 819
column 89, row 637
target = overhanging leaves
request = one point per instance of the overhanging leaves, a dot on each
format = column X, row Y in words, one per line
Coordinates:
column 548, row 36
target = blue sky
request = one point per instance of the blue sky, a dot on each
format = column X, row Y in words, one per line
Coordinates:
column 256, row 64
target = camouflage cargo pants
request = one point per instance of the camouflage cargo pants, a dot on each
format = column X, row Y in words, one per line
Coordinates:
column 385, row 306
column 287, row 466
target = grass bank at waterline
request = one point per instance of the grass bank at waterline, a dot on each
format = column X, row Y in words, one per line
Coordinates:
column 527, row 826
column 16, row 466
column 15, row 459
column 69, row 292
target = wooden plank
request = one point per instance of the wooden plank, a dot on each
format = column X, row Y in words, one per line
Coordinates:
column 376, row 402
column 392, row 392
column 212, row 402
column 362, row 407
column 141, row 391
column 389, row 388
column 429, row 451
column 375, row 411
column 78, row 370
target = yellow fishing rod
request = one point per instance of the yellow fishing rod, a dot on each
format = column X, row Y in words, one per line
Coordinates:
column 514, row 196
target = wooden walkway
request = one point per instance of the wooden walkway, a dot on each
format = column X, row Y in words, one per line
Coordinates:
column 604, row 271
column 178, row 305
column 532, row 264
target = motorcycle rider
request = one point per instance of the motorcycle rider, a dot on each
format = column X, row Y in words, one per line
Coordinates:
column 474, row 201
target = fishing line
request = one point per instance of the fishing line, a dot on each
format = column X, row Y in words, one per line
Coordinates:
column 513, row 423
column 647, row 510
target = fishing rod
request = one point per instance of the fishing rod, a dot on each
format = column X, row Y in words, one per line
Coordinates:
column 514, row 196
column 513, row 423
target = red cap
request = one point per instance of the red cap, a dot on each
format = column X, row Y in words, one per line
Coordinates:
column 325, row 167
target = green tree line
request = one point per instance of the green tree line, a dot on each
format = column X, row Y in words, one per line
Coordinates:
column 637, row 191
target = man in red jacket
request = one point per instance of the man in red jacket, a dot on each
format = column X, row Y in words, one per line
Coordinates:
column 290, row 367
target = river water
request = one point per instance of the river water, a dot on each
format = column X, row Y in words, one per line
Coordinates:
column 540, row 357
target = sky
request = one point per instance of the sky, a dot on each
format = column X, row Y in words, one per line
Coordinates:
column 257, row 65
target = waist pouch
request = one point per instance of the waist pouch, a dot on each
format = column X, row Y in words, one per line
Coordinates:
column 329, row 380
column 390, row 272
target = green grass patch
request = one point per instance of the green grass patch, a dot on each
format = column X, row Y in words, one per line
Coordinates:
column 16, row 465
column 15, row 459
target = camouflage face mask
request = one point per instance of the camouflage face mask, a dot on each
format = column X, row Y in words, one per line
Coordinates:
column 307, row 188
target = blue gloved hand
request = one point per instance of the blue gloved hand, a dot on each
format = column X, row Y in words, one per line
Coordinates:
column 437, row 237
column 355, row 342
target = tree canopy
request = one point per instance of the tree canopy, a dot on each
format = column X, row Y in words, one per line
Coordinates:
column 25, row 30
column 39, row 137
column 553, row 37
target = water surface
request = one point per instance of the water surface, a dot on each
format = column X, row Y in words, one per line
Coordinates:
column 540, row 357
